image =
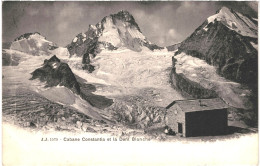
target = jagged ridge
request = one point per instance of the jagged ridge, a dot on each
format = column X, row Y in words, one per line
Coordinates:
column 115, row 31
column 55, row 73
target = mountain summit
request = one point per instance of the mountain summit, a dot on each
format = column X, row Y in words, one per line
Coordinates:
column 33, row 43
column 235, row 21
column 115, row 31
column 228, row 41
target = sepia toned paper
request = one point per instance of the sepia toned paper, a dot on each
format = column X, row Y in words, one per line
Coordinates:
column 129, row 83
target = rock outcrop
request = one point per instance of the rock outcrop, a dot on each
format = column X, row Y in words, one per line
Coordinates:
column 173, row 47
column 86, row 63
column 55, row 73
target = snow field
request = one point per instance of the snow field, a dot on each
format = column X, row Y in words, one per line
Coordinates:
column 199, row 71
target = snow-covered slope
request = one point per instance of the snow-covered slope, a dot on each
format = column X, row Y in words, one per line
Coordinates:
column 138, row 83
column 235, row 21
column 16, row 81
column 34, row 44
column 125, row 72
column 115, row 31
column 227, row 40
column 30, row 44
column 199, row 71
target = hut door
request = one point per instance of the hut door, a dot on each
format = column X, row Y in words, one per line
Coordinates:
column 179, row 127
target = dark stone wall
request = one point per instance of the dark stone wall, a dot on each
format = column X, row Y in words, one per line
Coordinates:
column 206, row 123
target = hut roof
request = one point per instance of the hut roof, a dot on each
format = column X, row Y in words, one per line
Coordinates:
column 199, row 104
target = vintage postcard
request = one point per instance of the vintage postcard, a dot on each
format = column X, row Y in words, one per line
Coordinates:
column 129, row 83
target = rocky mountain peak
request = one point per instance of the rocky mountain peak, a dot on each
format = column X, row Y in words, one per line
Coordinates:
column 27, row 35
column 115, row 31
column 54, row 73
column 92, row 26
column 54, row 59
column 127, row 17
column 34, row 44
column 235, row 21
column 228, row 41
column 224, row 9
column 124, row 15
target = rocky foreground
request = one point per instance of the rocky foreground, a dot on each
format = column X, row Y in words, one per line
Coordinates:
column 36, row 113
column 31, row 111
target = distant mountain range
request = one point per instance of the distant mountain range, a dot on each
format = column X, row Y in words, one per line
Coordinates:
column 227, row 40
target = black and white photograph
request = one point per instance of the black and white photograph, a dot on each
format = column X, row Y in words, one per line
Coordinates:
column 129, row 83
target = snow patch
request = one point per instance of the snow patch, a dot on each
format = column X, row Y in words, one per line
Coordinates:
column 39, row 44
column 36, row 36
column 254, row 45
column 75, row 39
column 86, row 108
column 135, row 33
column 102, row 73
column 84, row 35
column 62, row 95
column 255, row 19
column 110, row 33
column 205, row 28
column 54, row 65
column 243, row 94
column 94, row 27
column 61, row 52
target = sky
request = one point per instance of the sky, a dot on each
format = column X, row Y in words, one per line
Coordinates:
column 163, row 23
